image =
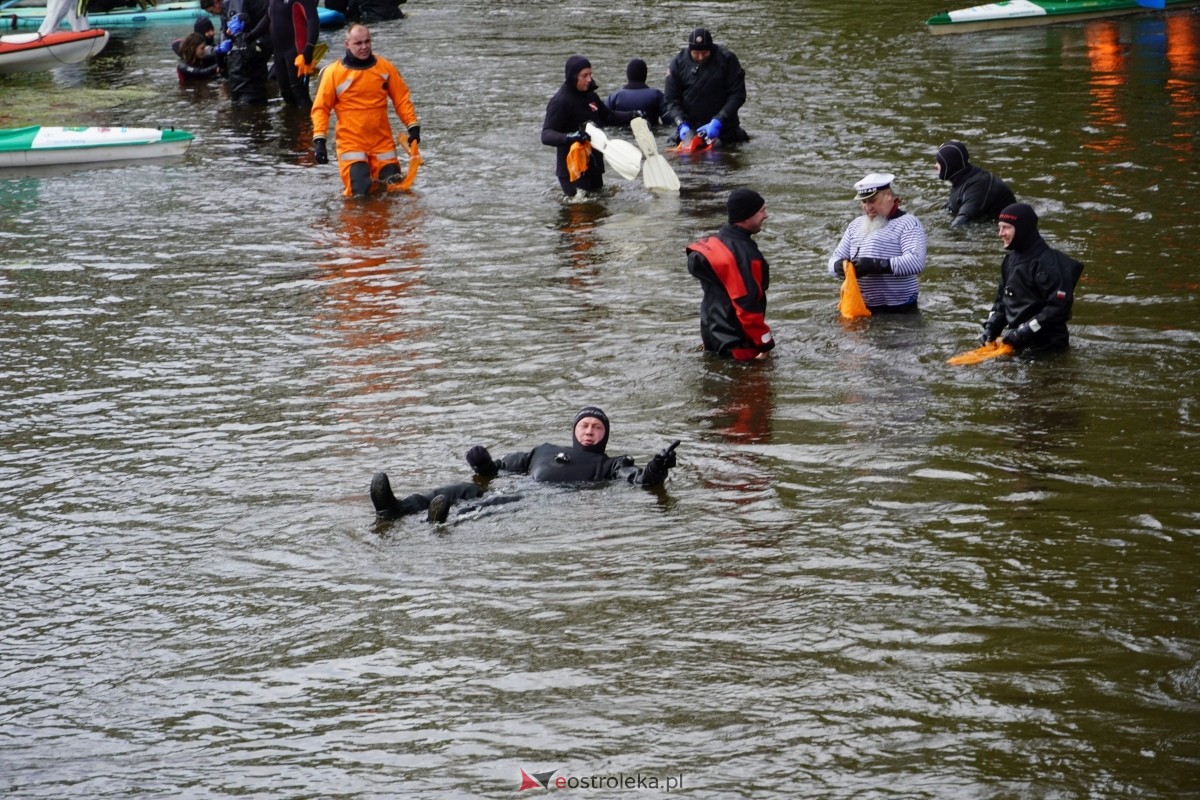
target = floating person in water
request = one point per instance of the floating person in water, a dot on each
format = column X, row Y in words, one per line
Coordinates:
column 1036, row 290
column 584, row 461
column 975, row 193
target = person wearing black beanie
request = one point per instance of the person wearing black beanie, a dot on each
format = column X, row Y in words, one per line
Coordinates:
column 573, row 106
column 975, row 193
column 1037, row 287
column 585, row 461
column 636, row 96
column 705, row 90
column 734, row 275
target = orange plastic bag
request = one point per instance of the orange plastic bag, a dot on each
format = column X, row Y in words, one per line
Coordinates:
column 852, row 305
column 992, row 349
column 578, row 159
column 414, row 164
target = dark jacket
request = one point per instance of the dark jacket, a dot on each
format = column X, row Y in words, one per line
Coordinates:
column 697, row 92
column 554, row 464
column 566, row 113
column 977, row 194
column 1037, row 290
column 733, row 310
column 639, row 97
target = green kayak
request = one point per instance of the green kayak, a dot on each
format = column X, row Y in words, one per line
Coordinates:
column 1021, row 13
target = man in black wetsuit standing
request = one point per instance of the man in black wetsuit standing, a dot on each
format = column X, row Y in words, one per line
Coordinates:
column 583, row 462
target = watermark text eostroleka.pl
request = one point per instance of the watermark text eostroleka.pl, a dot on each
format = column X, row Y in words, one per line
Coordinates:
column 632, row 782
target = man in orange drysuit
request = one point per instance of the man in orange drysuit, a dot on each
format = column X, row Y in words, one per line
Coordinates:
column 357, row 89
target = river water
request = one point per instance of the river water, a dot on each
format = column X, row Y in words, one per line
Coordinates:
column 871, row 575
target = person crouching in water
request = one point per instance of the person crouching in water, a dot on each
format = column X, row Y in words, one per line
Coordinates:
column 1037, row 287
column 584, row 461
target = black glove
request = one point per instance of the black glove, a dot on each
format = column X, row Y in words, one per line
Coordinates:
column 991, row 328
column 308, row 54
column 578, row 136
column 1019, row 336
column 839, row 268
column 319, row 152
column 414, row 134
column 639, row 114
column 872, row 266
column 658, row 467
column 481, row 461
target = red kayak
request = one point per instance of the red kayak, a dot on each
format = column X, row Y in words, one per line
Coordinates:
column 32, row 52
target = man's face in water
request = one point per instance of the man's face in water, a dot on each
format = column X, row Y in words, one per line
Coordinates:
column 589, row 431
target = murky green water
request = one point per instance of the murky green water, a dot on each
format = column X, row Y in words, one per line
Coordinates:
column 872, row 574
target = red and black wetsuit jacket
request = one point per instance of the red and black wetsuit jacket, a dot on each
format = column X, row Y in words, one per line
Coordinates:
column 735, row 277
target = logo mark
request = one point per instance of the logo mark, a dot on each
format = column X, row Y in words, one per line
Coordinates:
column 538, row 780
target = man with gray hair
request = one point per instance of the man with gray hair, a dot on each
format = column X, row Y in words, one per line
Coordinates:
column 885, row 244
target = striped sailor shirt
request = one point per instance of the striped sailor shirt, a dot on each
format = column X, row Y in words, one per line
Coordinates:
column 902, row 240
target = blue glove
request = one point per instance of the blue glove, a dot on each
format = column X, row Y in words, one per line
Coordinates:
column 712, row 130
column 225, row 46
column 236, row 25
column 684, row 132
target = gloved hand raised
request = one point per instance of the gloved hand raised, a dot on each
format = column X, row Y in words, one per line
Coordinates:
column 481, row 461
column 658, row 467
column 236, row 25
column 872, row 266
column 712, row 130
column 320, row 154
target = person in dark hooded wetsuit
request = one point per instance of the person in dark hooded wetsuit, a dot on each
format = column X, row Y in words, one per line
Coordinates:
column 585, row 461
column 572, row 106
column 1037, row 287
column 975, row 193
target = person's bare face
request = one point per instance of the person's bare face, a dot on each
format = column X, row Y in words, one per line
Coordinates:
column 589, row 431
column 358, row 42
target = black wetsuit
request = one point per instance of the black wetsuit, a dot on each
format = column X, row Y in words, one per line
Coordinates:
column 289, row 40
column 637, row 96
column 567, row 112
column 696, row 92
column 552, row 463
column 246, row 63
column 1037, row 289
column 975, row 193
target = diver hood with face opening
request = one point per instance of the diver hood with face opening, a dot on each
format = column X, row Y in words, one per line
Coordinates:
column 597, row 413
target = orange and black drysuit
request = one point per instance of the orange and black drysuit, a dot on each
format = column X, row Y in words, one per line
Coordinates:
column 358, row 90
column 735, row 277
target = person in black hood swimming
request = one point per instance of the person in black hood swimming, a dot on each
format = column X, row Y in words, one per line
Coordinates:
column 975, row 193
column 584, row 461
column 1037, row 286
column 572, row 106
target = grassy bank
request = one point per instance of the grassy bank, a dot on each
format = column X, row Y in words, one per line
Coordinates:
column 34, row 99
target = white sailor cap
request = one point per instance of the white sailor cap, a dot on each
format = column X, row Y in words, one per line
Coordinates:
column 872, row 183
